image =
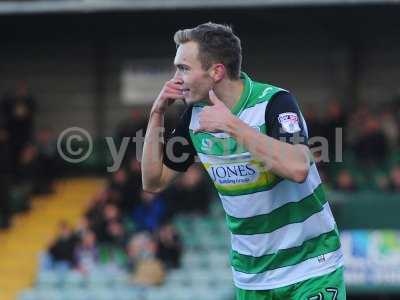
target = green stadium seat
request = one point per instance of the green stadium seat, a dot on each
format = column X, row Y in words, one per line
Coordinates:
column 76, row 294
column 74, row 279
column 179, row 277
column 49, row 279
column 130, row 293
column 99, row 279
column 50, row 294
column 226, row 292
column 121, row 280
column 101, row 293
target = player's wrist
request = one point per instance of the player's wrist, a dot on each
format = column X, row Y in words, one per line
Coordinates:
column 233, row 126
column 157, row 111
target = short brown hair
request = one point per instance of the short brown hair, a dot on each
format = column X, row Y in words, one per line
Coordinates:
column 217, row 44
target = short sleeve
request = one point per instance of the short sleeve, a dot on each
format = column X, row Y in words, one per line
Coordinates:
column 284, row 119
column 179, row 152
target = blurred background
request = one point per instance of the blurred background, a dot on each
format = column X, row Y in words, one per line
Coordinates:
column 80, row 231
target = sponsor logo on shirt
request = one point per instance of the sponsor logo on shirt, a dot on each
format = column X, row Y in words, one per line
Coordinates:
column 289, row 122
column 206, row 144
column 233, row 173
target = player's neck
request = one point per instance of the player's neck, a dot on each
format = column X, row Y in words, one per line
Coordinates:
column 229, row 91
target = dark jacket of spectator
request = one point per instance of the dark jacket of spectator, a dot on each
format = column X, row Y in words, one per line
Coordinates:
column 169, row 246
column 149, row 214
column 62, row 250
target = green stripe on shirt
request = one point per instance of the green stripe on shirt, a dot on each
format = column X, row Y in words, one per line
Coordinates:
column 292, row 212
column 323, row 244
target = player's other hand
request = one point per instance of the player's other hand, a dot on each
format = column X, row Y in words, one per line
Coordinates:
column 171, row 91
column 215, row 117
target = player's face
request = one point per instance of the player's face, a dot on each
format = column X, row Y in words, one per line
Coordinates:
column 196, row 82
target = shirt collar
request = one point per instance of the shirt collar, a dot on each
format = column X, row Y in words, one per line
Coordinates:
column 244, row 97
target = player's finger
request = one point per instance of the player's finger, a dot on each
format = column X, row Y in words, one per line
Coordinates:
column 173, row 91
column 213, row 98
column 174, row 85
column 173, row 96
column 200, row 129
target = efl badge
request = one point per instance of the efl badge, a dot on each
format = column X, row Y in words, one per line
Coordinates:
column 289, row 122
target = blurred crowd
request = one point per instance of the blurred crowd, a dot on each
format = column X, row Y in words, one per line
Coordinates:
column 28, row 158
column 130, row 228
column 364, row 154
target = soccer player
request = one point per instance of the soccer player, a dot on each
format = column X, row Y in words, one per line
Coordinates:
column 252, row 139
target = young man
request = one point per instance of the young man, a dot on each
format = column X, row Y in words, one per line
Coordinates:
column 285, row 243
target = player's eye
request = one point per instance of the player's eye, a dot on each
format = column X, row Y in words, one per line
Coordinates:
column 182, row 68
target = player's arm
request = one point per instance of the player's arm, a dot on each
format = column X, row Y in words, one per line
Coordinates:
column 283, row 158
column 158, row 169
column 283, row 149
column 155, row 175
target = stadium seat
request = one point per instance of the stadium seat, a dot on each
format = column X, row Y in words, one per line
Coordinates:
column 129, row 293
column 28, row 295
column 76, row 294
column 74, row 279
column 49, row 279
column 49, row 294
column 99, row 279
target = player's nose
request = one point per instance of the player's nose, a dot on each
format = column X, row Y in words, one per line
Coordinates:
column 177, row 77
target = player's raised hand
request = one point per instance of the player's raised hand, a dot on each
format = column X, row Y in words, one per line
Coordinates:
column 171, row 91
column 214, row 99
column 215, row 117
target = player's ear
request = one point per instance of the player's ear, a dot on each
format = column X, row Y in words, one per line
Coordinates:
column 218, row 72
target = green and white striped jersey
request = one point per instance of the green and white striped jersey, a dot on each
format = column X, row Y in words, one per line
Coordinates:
column 282, row 232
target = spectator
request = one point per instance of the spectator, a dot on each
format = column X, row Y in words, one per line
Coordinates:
column 110, row 214
column 115, row 234
column 61, row 250
column 125, row 186
column 117, row 185
column 371, row 146
column 169, row 246
column 394, row 180
column 83, row 227
column 94, row 212
column 345, row 181
column 86, row 253
column 390, row 128
column 149, row 214
column 190, row 194
column 146, row 268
